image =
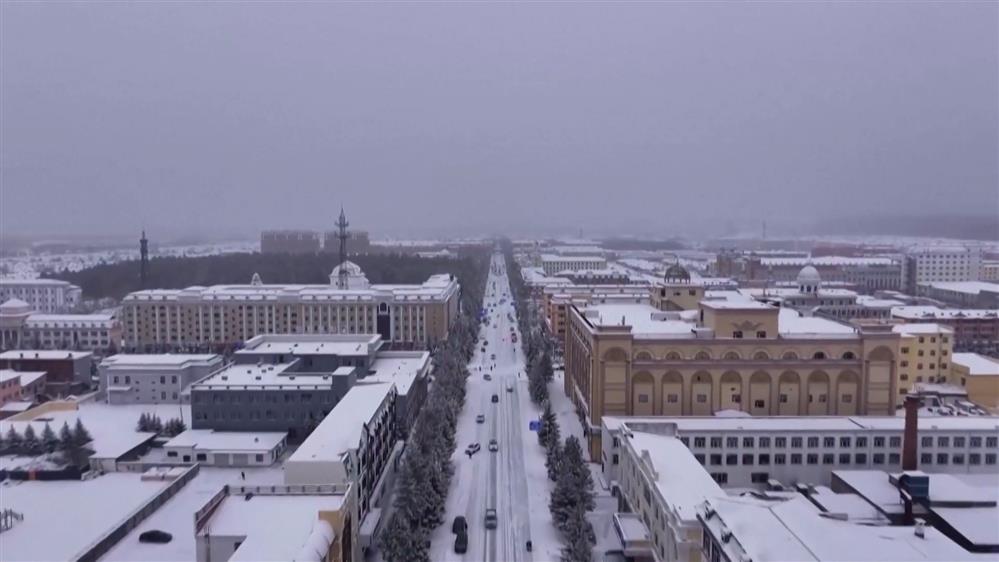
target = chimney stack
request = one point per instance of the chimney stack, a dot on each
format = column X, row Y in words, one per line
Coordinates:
column 910, row 447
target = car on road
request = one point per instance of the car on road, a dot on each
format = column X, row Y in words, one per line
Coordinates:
column 459, row 526
column 495, row 398
column 509, row 386
column 493, row 445
column 491, row 520
column 473, row 448
column 480, row 418
column 493, row 356
column 487, row 376
column 461, row 543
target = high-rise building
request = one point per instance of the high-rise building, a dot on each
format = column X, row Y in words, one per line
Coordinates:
column 933, row 264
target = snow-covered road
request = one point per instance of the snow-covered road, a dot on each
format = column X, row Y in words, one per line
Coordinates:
column 511, row 480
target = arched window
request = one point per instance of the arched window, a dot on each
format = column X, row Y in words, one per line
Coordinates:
column 819, row 355
column 761, row 356
column 673, row 356
column 849, row 355
column 732, row 355
column 789, row 355
column 702, row 356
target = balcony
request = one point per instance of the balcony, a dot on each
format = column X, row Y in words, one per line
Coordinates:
column 636, row 543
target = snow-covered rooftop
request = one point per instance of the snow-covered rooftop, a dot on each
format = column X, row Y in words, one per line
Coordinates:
column 805, row 423
column 312, row 344
column 44, row 354
column 159, row 360
column 63, row 517
column 791, row 323
column 967, row 287
column 937, row 313
column 914, row 329
column 682, row 481
column 976, row 364
column 644, row 319
column 827, row 261
column 209, row 439
column 399, row 367
column 341, row 429
column 261, row 377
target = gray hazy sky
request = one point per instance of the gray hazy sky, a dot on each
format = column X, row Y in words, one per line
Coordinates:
column 427, row 118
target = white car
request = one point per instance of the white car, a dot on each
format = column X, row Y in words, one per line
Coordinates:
column 493, row 445
column 473, row 448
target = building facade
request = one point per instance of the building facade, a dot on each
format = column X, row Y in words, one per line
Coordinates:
column 728, row 355
column 965, row 294
column 153, row 379
column 924, row 353
column 974, row 329
column 552, row 264
column 935, row 264
column 979, row 375
column 66, row 372
column 21, row 328
column 866, row 273
column 44, row 295
column 226, row 315
column 289, row 242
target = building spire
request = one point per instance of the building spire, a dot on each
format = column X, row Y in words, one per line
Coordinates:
column 342, row 273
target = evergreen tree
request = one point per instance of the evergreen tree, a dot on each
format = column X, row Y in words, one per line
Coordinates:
column 49, row 440
column 31, row 444
column 143, row 424
column 80, row 434
column 578, row 534
column 549, row 423
column 553, row 456
column 65, row 437
column 14, row 440
column 174, row 427
column 401, row 542
column 579, row 470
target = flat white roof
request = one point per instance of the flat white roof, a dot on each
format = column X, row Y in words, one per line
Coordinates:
column 921, row 329
column 968, row 287
column 312, row 344
column 682, row 481
column 736, row 304
column 640, row 316
column 566, row 259
column 63, row 517
column 341, row 429
column 211, row 440
column 35, row 281
column 793, row 324
column 398, row 367
column 937, row 313
column 791, row 424
column 178, row 360
column 46, row 354
column 823, row 261
column 976, row 364
column 275, row 527
column 262, row 377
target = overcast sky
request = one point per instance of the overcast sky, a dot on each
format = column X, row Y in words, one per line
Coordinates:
column 436, row 117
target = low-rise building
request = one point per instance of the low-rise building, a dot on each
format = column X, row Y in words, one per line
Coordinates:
column 20, row 386
column 23, row 328
column 153, row 379
column 44, row 295
column 979, row 375
column 552, row 264
column 974, row 329
column 226, row 448
column 67, row 372
column 964, row 294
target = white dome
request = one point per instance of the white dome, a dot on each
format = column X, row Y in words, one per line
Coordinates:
column 351, row 267
column 15, row 306
column 809, row 276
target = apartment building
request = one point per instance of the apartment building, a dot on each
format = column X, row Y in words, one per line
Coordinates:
column 924, row 355
column 353, row 444
column 552, row 264
column 153, row 379
column 990, row 271
column 933, row 264
column 50, row 296
column 66, row 372
column 225, row 315
column 973, row 328
column 866, row 273
column 742, row 355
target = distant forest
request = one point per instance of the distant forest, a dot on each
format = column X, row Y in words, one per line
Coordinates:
column 118, row 279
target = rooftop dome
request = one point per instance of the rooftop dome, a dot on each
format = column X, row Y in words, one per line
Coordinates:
column 355, row 276
column 15, row 306
column 809, row 276
column 351, row 267
column 675, row 273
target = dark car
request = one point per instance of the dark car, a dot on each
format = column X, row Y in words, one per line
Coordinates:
column 461, row 543
column 156, row 536
column 460, row 526
column 491, row 520
column 495, row 398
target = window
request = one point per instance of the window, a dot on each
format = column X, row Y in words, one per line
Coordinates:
column 975, row 458
column 643, row 398
column 764, row 442
column 685, row 441
column 894, row 458
column 699, row 459
column 812, row 458
column 171, row 453
column 747, row 460
column 847, row 398
column 759, row 404
column 943, row 441
column 796, row 442
column 260, row 458
column 957, row 459
column 763, row 460
column 860, row 458
column 926, row 442
column 991, row 442
column 162, row 379
column 813, row 442
column 879, row 458
column 828, row 458
column 895, row 442
column 941, row 458
column 747, row 442
column 201, row 457
column 861, row 442
column 716, row 460
column 737, row 398
column 716, row 442
column 116, row 379
column 731, row 460
column 761, row 334
column 759, row 477
column 672, row 398
column 699, row 442
column 720, row 477
column 844, row 441
column 990, row 458
column 732, row 442
column 926, row 458
column 844, row 458
column 702, row 398
column 959, row 441
column 615, row 459
column 780, row 458
column 780, row 442
column 737, row 334
column 795, row 458
column 975, row 442
column 783, row 398
column 819, row 355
